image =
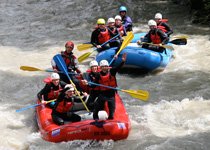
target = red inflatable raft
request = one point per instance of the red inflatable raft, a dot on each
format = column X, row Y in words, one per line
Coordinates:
column 116, row 129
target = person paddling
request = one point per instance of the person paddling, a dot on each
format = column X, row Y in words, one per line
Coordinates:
column 51, row 89
column 162, row 24
column 155, row 36
column 126, row 20
column 106, row 77
column 63, row 104
column 71, row 63
column 101, row 35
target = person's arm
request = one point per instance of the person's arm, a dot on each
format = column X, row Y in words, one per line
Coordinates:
column 163, row 36
column 114, row 70
column 44, row 91
column 167, row 27
column 76, row 65
column 127, row 22
column 111, row 33
column 124, row 30
column 63, row 84
column 94, row 37
column 147, row 38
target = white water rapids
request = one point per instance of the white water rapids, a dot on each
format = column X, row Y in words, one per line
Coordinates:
column 177, row 114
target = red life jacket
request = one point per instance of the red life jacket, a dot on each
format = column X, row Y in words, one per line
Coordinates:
column 64, row 106
column 53, row 94
column 162, row 27
column 69, row 60
column 103, row 36
column 155, row 38
column 113, row 32
column 107, row 80
column 120, row 28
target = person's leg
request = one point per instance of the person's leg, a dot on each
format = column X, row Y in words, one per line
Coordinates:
column 57, row 119
column 99, row 105
column 111, row 105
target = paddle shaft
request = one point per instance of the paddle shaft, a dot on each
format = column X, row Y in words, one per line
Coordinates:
column 62, row 72
column 34, row 105
column 107, row 41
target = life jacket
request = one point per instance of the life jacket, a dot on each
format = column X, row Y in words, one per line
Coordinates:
column 64, row 106
column 155, row 38
column 107, row 80
column 120, row 28
column 103, row 36
column 114, row 30
column 162, row 27
column 53, row 94
column 69, row 60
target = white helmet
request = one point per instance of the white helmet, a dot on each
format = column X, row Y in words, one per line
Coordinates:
column 158, row 15
column 152, row 23
column 55, row 76
column 93, row 63
column 111, row 20
column 104, row 63
column 118, row 17
column 71, row 88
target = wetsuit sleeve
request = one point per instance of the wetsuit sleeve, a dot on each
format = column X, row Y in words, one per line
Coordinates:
column 94, row 37
column 167, row 27
column 163, row 36
column 62, row 84
column 124, row 30
column 76, row 64
column 77, row 99
column 147, row 38
column 44, row 91
column 111, row 33
column 118, row 32
column 61, row 94
column 114, row 70
column 53, row 64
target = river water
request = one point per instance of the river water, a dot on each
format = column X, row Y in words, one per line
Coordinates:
column 177, row 114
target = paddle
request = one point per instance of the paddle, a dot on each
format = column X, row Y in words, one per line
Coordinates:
column 62, row 66
column 180, row 37
column 87, row 46
column 179, row 41
column 165, row 46
column 127, row 40
column 143, row 95
column 34, row 105
column 27, row 68
column 84, row 47
column 84, row 56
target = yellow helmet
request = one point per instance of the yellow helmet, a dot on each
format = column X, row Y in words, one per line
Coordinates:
column 101, row 21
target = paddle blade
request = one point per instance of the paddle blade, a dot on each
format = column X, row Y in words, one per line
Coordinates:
column 180, row 37
column 168, row 47
column 143, row 95
column 84, row 56
column 127, row 40
column 84, row 47
column 60, row 63
column 179, row 41
column 27, row 68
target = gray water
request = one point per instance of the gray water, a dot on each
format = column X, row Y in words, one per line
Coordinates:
column 177, row 114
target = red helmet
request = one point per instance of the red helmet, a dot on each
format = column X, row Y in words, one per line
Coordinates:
column 69, row 44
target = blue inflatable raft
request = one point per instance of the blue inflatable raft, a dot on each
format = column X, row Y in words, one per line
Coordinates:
column 137, row 56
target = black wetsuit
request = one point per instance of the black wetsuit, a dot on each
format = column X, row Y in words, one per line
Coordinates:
column 107, row 95
column 58, row 117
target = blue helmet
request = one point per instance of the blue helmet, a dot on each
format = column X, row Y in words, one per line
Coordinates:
column 123, row 8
